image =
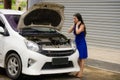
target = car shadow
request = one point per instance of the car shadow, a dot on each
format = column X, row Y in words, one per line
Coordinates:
column 3, row 76
column 2, row 71
column 47, row 77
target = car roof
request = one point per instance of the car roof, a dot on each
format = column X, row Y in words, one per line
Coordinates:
column 9, row 11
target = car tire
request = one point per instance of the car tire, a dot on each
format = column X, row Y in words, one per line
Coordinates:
column 13, row 66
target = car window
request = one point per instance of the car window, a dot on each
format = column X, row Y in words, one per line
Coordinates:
column 13, row 20
column 1, row 23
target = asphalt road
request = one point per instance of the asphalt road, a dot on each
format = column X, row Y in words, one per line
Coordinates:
column 90, row 73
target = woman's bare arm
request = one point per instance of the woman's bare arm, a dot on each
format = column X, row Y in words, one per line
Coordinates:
column 71, row 29
column 80, row 28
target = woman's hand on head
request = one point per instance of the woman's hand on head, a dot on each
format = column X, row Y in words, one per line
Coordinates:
column 78, row 23
column 79, row 28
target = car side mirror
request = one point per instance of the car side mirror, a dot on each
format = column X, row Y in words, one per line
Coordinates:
column 1, row 30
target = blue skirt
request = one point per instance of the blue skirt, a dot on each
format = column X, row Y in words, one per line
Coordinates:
column 82, row 49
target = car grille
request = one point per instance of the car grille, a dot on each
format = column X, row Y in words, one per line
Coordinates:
column 57, row 53
column 49, row 65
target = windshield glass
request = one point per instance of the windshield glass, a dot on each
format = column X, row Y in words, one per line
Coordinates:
column 36, row 31
column 13, row 20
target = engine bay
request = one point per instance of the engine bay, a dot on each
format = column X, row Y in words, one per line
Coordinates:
column 47, row 39
column 52, row 42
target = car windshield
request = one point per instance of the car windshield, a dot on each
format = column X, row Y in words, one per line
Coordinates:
column 13, row 20
column 36, row 31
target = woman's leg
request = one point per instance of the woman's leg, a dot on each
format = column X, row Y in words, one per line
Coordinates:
column 81, row 64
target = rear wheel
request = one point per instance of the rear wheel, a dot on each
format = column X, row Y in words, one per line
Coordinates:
column 13, row 66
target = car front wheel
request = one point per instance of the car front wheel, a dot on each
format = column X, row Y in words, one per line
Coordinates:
column 13, row 66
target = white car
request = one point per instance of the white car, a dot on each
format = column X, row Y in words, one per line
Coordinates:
column 33, row 45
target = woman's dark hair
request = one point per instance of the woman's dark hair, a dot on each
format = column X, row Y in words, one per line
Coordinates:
column 79, row 17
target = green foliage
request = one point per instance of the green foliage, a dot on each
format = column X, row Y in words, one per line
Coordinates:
column 23, row 4
column 14, row 7
column 1, row 6
column 13, row 2
column 1, row 0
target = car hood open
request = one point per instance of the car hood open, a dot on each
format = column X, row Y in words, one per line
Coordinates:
column 43, row 15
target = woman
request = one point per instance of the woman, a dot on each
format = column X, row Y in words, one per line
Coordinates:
column 80, row 32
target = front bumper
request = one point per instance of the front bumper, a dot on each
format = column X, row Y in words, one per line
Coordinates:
column 43, row 64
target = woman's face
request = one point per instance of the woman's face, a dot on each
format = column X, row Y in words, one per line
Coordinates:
column 75, row 19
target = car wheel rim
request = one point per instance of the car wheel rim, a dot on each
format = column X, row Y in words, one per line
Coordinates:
column 13, row 66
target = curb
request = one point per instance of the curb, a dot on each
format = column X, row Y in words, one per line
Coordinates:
column 107, row 66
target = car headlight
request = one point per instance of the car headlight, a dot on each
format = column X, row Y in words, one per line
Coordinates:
column 32, row 45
